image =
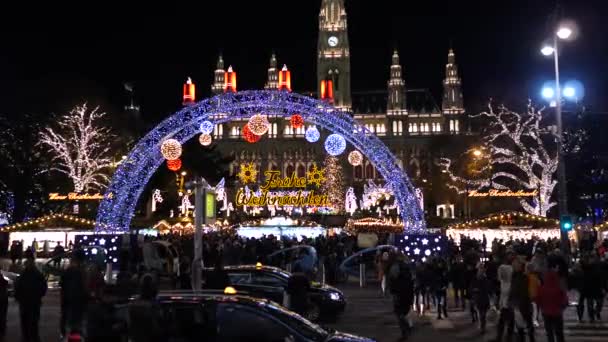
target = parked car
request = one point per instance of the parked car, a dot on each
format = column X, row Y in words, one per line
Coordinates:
column 327, row 302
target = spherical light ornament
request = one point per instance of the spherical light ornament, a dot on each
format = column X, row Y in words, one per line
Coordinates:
column 207, row 127
column 312, row 134
column 258, row 124
column 335, row 144
column 174, row 165
column 205, row 139
column 297, row 121
column 355, row 158
column 249, row 136
column 171, row 149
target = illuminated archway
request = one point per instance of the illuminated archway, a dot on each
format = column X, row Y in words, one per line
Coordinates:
column 117, row 208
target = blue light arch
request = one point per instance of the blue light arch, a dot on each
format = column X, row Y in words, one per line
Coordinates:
column 116, row 210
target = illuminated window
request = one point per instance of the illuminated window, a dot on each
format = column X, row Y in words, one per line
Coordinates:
column 400, row 127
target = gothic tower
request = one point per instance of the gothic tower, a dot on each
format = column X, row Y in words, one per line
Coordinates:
column 396, row 88
column 218, row 79
column 273, row 74
column 333, row 61
column 452, row 92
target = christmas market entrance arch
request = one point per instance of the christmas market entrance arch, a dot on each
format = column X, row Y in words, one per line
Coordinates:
column 132, row 175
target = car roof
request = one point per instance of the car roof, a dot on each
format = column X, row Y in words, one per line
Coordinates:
column 209, row 296
column 255, row 268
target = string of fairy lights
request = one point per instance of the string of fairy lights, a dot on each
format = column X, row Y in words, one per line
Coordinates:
column 46, row 219
column 503, row 216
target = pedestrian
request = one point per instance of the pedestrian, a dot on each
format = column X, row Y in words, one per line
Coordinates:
column 14, row 252
column 504, row 274
column 480, row 296
column 401, row 287
column 73, row 295
column 458, row 282
column 440, row 287
column 3, row 306
column 519, row 299
column 35, row 248
column 56, row 255
column 30, row 287
column 533, row 285
column 552, row 300
column 298, row 287
column 145, row 315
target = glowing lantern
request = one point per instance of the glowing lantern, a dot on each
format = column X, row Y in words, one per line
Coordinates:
column 335, row 144
column 327, row 90
column 207, row 127
column 205, row 139
column 249, row 136
column 297, row 121
column 258, row 124
column 312, row 134
column 355, row 158
column 285, row 79
column 171, row 149
column 189, row 92
column 230, row 80
column 174, row 165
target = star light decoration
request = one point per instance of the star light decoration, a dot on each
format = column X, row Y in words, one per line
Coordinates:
column 296, row 121
column 312, row 134
column 335, row 144
column 171, row 149
column 205, row 139
column 355, row 158
column 207, row 127
column 249, row 136
column 248, row 173
column 316, row 176
column 258, row 124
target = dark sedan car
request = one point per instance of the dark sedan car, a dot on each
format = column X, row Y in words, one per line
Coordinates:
column 270, row 283
column 232, row 317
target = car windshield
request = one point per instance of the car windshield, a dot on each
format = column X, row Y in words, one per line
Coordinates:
column 296, row 321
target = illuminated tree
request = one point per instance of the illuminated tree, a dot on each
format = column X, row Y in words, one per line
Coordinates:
column 80, row 148
column 334, row 183
column 517, row 153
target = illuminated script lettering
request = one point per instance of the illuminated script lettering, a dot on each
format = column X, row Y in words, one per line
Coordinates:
column 503, row 193
column 73, row 196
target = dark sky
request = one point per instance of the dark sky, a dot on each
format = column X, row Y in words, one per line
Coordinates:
column 50, row 61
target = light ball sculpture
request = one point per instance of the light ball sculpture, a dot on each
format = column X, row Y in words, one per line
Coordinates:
column 296, row 121
column 312, row 134
column 171, row 149
column 207, row 127
column 174, row 165
column 205, row 139
column 249, row 136
column 355, row 158
column 335, row 144
column 258, row 124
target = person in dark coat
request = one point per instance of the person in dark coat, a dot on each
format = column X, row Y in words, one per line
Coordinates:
column 145, row 314
column 401, row 287
column 440, row 287
column 298, row 287
column 3, row 306
column 56, row 253
column 73, row 294
column 519, row 300
column 30, row 287
column 480, row 291
column 457, row 277
column 218, row 278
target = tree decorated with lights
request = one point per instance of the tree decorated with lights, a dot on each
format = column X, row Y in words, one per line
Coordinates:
column 80, row 148
column 334, row 183
column 517, row 153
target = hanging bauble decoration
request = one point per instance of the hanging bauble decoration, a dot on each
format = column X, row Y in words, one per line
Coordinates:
column 312, row 134
column 207, row 127
column 205, row 139
column 249, row 136
column 174, row 165
column 171, row 149
column 258, row 124
column 335, row 144
column 355, row 158
column 297, row 121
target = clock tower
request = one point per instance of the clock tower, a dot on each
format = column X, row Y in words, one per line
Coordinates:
column 333, row 59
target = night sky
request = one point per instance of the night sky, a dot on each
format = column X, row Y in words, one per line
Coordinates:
column 49, row 62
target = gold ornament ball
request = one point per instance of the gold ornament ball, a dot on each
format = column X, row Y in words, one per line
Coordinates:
column 205, row 139
column 258, row 124
column 355, row 158
column 171, row 149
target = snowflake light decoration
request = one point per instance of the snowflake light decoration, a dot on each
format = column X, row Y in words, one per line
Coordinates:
column 205, row 139
column 355, row 158
column 207, row 127
column 171, row 149
column 335, row 144
column 258, row 124
column 316, row 176
column 248, row 173
column 312, row 134
column 296, row 121
column 249, row 136
column 174, row 165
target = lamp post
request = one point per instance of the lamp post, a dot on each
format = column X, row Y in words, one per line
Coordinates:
column 562, row 201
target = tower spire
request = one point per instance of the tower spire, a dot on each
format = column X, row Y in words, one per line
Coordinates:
column 396, row 88
column 452, row 103
column 218, row 76
column 273, row 76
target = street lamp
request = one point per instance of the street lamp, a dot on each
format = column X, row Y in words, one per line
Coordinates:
column 562, row 32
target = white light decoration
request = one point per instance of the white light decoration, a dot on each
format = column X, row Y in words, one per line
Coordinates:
column 207, row 127
column 425, row 242
column 94, row 251
column 102, row 241
column 502, row 234
column 156, row 198
column 335, row 144
column 171, row 149
column 350, row 202
column 416, row 251
column 258, row 124
column 205, row 139
column 427, row 252
column 506, row 168
column 355, row 158
column 312, row 134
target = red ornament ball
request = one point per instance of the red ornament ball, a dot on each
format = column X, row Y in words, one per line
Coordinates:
column 174, row 165
column 249, row 136
column 297, row 121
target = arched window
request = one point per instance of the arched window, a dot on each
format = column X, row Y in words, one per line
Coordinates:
column 400, row 127
column 395, row 131
column 369, row 171
column 358, row 172
column 301, row 171
column 289, row 170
